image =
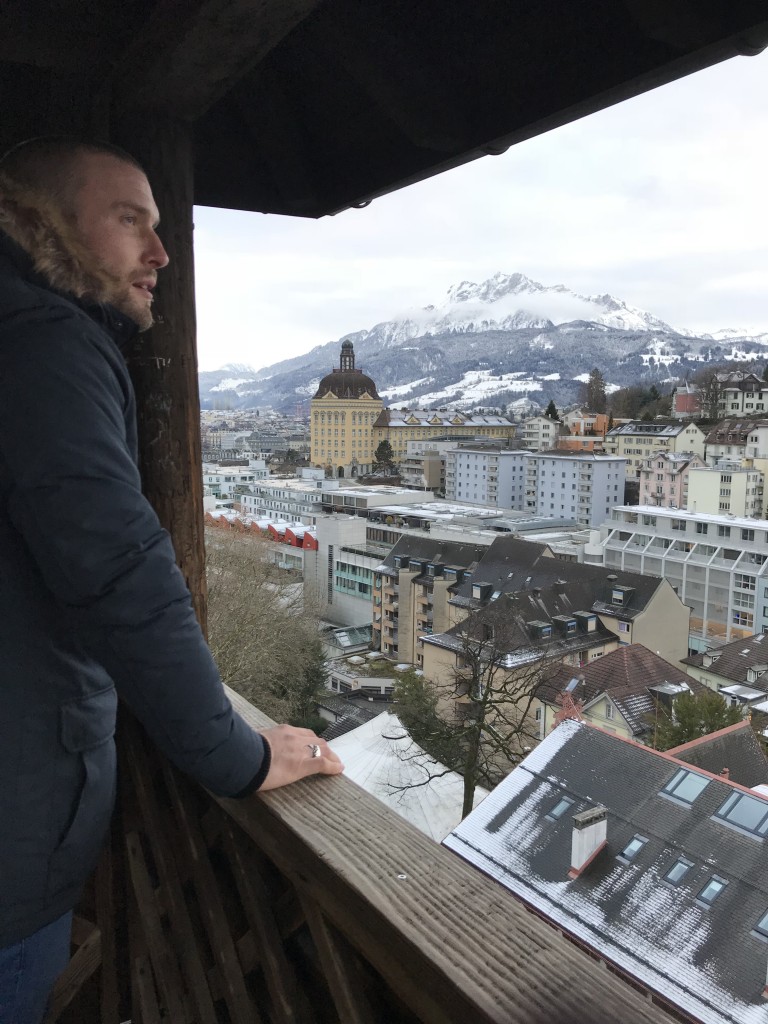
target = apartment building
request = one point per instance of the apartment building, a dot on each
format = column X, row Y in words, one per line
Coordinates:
column 738, row 671
column 726, row 488
column 227, row 482
column 298, row 499
column 423, row 469
column 540, row 433
column 638, row 441
column 583, row 486
column 339, row 574
column 718, row 565
column 486, row 476
column 741, row 394
column 664, row 479
column 412, row 589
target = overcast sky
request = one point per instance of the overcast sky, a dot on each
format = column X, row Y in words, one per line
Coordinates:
column 661, row 201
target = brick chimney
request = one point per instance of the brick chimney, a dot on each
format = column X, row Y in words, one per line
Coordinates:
column 590, row 829
column 725, row 773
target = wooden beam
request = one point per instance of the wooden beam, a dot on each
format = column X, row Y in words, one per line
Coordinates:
column 192, row 53
column 163, row 361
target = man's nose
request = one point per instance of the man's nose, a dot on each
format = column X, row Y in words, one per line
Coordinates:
column 156, row 255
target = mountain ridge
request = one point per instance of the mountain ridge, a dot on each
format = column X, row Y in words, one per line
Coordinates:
column 507, row 342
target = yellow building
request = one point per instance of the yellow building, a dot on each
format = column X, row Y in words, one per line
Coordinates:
column 399, row 426
column 342, row 413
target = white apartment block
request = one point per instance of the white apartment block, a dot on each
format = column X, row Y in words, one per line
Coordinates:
column 485, row 476
column 576, row 485
column 226, row 481
column 639, row 441
column 717, row 563
column 726, row 488
column 292, row 499
column 339, row 575
column 539, row 433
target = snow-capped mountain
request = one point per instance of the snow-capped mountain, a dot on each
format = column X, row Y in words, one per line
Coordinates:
column 503, row 342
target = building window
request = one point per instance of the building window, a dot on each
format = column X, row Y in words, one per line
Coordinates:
column 560, row 808
column 702, row 527
column 747, row 534
column 678, row 871
column 761, row 928
column 724, row 531
column 712, row 890
column 623, row 627
column 745, row 812
column 633, row 847
column 609, row 711
column 686, row 786
column 745, row 619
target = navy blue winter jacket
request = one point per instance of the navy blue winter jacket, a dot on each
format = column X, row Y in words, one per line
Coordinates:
column 92, row 604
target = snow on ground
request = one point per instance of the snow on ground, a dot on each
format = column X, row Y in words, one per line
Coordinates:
column 404, row 389
column 232, row 383
column 479, row 385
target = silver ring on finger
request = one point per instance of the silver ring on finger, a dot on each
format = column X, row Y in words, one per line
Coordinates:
column 316, row 752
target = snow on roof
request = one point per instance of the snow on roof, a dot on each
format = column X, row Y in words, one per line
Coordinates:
column 381, row 757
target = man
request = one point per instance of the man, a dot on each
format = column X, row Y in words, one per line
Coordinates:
column 92, row 604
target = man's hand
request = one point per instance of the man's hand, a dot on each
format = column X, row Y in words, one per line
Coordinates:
column 293, row 758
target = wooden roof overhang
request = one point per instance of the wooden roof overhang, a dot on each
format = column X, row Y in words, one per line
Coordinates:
column 307, row 107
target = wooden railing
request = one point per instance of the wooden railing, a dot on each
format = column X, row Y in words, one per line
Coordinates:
column 312, row 904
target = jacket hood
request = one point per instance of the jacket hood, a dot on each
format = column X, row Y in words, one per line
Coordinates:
column 50, row 239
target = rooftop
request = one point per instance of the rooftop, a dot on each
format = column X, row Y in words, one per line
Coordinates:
column 693, row 935
column 735, row 748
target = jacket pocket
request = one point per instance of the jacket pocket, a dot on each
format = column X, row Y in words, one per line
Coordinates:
column 87, row 729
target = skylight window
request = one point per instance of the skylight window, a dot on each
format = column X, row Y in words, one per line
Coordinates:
column 762, row 926
column 633, row 847
column 712, row 890
column 685, row 786
column 560, row 808
column 678, row 871
column 745, row 812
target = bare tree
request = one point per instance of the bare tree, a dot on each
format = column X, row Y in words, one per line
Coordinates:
column 262, row 633
column 478, row 718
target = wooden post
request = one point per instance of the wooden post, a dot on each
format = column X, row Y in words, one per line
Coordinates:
column 163, row 362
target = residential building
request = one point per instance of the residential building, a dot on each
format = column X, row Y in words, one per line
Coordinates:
column 581, row 485
column 735, row 439
column 486, row 476
column 726, row 488
column 657, row 868
column 540, row 433
column 423, row 469
column 664, row 479
column 399, row 426
column 638, row 441
column 297, row 499
column 411, row 591
column 342, row 413
column 686, row 402
column 638, row 609
column 587, row 424
column 228, row 481
column 718, row 564
column 515, row 643
column 741, row 393
column 621, row 692
column 738, row 670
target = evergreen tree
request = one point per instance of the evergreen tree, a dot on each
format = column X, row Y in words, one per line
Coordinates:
column 694, row 716
column 552, row 412
column 384, row 458
column 593, row 394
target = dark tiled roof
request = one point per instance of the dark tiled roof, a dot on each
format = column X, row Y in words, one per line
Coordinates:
column 734, row 659
column 626, row 675
column 511, row 566
column 425, row 549
column 351, row 714
column 738, row 429
column 736, row 748
column 509, row 619
column 705, row 959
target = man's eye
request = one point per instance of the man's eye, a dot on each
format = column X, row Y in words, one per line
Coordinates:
column 129, row 218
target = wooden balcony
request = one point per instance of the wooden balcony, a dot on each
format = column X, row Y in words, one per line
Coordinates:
column 313, row 904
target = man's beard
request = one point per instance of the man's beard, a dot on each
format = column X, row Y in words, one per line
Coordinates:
column 122, row 298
